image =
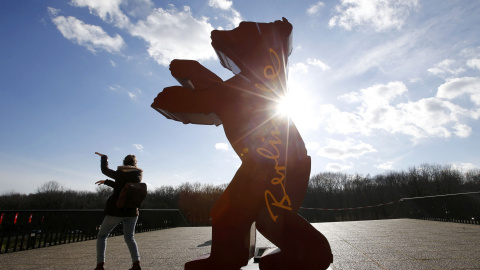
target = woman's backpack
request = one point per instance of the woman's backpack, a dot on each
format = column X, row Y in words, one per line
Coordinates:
column 132, row 195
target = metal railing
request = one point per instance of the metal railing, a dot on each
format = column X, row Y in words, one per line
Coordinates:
column 29, row 229
column 459, row 207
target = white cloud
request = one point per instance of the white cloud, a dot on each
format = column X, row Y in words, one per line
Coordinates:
column 315, row 8
column 113, row 63
column 462, row 131
column 475, row 98
column 464, row 167
column 427, row 117
column 397, row 55
column 221, row 146
column 341, row 150
column 386, row 165
column 298, row 68
column 342, row 122
column 169, row 33
column 53, row 11
column 304, row 68
column 137, row 8
column 380, row 14
column 415, row 80
column 446, row 67
column 378, row 95
column 115, row 87
column 174, row 34
column 337, row 167
column 318, row 63
column 227, row 6
column 139, row 147
column 474, row 63
column 312, row 145
column 456, row 87
column 109, row 11
column 375, row 110
column 132, row 95
column 90, row 36
column 221, row 4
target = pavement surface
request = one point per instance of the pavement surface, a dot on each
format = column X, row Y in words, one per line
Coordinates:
column 381, row 244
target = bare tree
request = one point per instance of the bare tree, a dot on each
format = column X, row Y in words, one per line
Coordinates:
column 50, row 187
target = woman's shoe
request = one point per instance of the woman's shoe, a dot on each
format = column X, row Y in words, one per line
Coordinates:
column 100, row 266
column 136, row 266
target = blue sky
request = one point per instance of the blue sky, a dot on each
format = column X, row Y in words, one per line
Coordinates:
column 375, row 86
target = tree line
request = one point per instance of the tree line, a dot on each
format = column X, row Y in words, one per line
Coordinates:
column 325, row 190
column 338, row 190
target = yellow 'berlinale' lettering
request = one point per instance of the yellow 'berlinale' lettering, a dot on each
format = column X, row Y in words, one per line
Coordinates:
column 273, row 153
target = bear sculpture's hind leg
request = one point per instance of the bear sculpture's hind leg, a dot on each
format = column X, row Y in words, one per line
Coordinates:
column 301, row 245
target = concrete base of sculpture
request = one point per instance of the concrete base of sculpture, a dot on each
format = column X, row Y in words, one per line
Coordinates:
column 253, row 263
column 259, row 252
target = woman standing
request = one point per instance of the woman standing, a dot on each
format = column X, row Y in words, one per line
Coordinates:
column 114, row 215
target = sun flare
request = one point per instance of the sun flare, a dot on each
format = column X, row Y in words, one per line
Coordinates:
column 286, row 106
column 293, row 106
column 298, row 107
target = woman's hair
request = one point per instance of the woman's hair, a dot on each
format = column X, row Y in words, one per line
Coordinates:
column 130, row 160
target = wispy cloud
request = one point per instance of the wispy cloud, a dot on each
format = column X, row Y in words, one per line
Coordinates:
column 139, row 147
column 172, row 33
column 337, row 167
column 312, row 145
column 315, row 8
column 109, row 11
column 90, row 36
column 222, row 146
column 164, row 30
column 427, row 117
column 115, row 87
column 232, row 14
column 376, row 96
column 385, row 165
column 457, row 87
column 132, row 94
column 342, row 150
column 474, row 63
column 301, row 67
column 298, row 68
column 379, row 14
column 221, row 4
column 464, row 167
column 318, row 63
column 447, row 67
column 397, row 55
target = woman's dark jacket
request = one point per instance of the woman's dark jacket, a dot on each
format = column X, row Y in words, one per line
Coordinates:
column 122, row 175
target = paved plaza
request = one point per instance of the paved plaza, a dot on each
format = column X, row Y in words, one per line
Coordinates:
column 397, row 244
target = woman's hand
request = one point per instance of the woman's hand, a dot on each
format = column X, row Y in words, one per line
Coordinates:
column 99, row 154
column 101, row 182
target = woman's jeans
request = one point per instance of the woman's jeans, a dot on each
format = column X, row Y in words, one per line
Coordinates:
column 109, row 223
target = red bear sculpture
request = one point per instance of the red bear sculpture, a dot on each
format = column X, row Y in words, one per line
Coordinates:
column 269, row 187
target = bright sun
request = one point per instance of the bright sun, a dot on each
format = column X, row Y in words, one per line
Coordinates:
column 298, row 107
column 286, row 106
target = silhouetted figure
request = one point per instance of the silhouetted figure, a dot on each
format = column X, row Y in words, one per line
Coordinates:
column 271, row 182
column 114, row 215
